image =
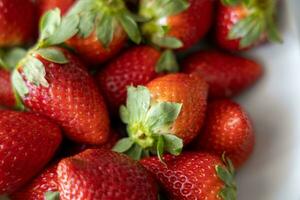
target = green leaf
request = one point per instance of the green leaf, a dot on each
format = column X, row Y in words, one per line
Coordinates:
column 67, row 29
column 86, row 24
column 167, row 42
column 123, row 145
column 139, row 18
column 105, row 30
column 224, row 175
column 162, row 115
column 4, row 197
column 272, row 30
column 138, row 103
column 243, row 27
column 2, row 64
column 160, row 147
column 167, row 62
column 19, row 84
column 130, row 27
column 52, row 196
column 173, row 7
column 135, row 152
column 49, row 23
column 145, row 153
column 52, row 55
column 34, row 71
column 13, row 56
column 81, row 6
column 173, row 144
column 252, row 36
column 124, row 114
column 230, row 2
column 228, row 193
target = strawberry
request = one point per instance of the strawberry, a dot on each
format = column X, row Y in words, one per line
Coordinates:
column 103, row 29
column 53, row 82
column 43, row 184
column 28, row 141
column 194, row 176
column 176, row 23
column 7, row 97
column 46, row 5
column 227, row 129
column 103, row 174
column 136, row 66
column 163, row 116
column 226, row 74
column 18, row 22
column 242, row 24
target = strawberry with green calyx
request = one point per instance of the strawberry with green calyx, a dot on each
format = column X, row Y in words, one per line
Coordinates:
column 163, row 116
column 103, row 29
column 176, row 24
column 149, row 125
column 242, row 24
column 8, row 61
column 136, row 66
column 194, row 176
column 53, row 82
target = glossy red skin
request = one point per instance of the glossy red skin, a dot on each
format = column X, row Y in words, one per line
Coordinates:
column 227, row 17
column 17, row 22
column 227, row 129
column 7, row 97
column 35, row 190
column 136, row 66
column 93, row 52
column 46, row 5
column 191, row 25
column 188, row 176
column 189, row 90
column 102, row 174
column 28, row 142
column 227, row 75
column 72, row 100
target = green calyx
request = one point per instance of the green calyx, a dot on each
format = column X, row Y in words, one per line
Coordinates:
column 104, row 16
column 10, row 58
column 157, row 13
column 52, row 195
column 259, row 21
column 149, row 125
column 227, row 174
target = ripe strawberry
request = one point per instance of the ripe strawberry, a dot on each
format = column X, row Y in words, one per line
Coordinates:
column 194, row 176
column 162, row 116
column 18, row 22
column 227, row 129
column 103, row 29
column 103, row 174
column 243, row 24
column 7, row 97
column 136, row 66
column 28, row 141
column 63, row 90
column 46, row 5
column 226, row 74
column 176, row 23
column 39, row 187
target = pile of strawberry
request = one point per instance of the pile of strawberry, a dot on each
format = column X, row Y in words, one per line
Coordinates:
column 110, row 101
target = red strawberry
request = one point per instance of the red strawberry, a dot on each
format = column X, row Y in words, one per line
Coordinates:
column 46, row 5
column 37, row 189
column 7, row 96
column 27, row 141
column 102, row 174
column 164, row 115
column 227, row 129
column 53, row 82
column 18, row 22
column 176, row 23
column 136, row 66
column 244, row 24
column 103, row 29
column 194, row 176
column 226, row 74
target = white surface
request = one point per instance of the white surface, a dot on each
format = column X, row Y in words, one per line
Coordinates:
column 273, row 173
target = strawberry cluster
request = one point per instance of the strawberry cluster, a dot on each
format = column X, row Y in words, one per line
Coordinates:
column 113, row 100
